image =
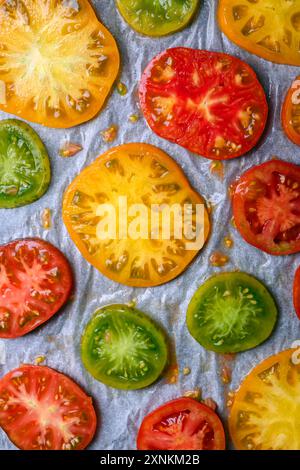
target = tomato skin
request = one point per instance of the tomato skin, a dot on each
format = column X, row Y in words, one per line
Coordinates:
column 210, row 103
column 24, row 434
column 287, row 112
column 296, row 292
column 263, row 174
column 28, row 247
column 178, row 438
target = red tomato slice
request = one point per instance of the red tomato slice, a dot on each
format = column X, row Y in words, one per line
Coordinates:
column 296, row 292
column 266, row 207
column 208, row 102
column 35, row 281
column 41, row 409
column 182, row 424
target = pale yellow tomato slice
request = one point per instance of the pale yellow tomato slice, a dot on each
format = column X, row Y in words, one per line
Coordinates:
column 57, row 61
column 142, row 174
column 266, row 410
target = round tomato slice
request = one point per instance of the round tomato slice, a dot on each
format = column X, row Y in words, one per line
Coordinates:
column 182, row 424
column 296, row 292
column 24, row 164
column 57, row 62
column 290, row 115
column 41, row 409
column 123, row 348
column 231, row 312
column 266, row 207
column 208, row 102
column 157, row 17
column 35, row 282
column 135, row 184
column 266, row 28
column 266, row 409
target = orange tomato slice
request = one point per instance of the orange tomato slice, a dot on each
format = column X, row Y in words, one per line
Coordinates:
column 144, row 175
column 266, row 28
column 57, row 62
column 290, row 115
column 266, row 409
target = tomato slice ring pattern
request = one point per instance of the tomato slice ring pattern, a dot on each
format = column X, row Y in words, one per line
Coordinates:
column 262, row 27
column 290, row 115
column 41, row 409
column 266, row 207
column 157, row 17
column 182, row 424
column 265, row 412
column 35, row 282
column 144, row 175
column 57, row 62
column 210, row 103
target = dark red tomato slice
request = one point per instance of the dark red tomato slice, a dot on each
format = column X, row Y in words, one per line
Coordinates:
column 41, row 409
column 266, row 207
column 208, row 102
column 35, row 281
column 182, row 424
column 296, row 292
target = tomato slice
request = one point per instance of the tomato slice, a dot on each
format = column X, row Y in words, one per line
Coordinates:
column 296, row 291
column 24, row 164
column 266, row 28
column 266, row 207
column 143, row 175
column 208, row 102
column 231, row 312
column 290, row 115
column 41, row 409
column 35, row 282
column 57, row 62
column 123, row 348
column 182, row 424
column 266, row 409
column 157, row 17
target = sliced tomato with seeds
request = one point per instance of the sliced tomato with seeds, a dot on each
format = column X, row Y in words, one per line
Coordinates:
column 182, row 424
column 35, row 282
column 41, row 409
column 296, row 292
column 208, row 102
column 142, row 175
column 57, row 61
column 266, row 207
column 290, row 115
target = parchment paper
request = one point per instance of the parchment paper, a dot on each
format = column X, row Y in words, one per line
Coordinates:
column 120, row 413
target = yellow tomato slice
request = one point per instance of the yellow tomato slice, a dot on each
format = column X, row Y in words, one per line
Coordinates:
column 57, row 62
column 143, row 175
column 266, row 28
column 266, row 410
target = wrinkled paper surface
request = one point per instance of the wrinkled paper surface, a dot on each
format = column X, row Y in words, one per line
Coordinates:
column 120, row 413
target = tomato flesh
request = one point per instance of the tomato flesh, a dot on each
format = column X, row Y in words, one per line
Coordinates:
column 24, row 164
column 35, row 282
column 57, row 62
column 208, row 102
column 123, row 348
column 157, row 17
column 266, row 408
column 144, row 175
column 291, row 113
column 182, row 424
column 266, row 206
column 231, row 312
column 266, row 28
column 41, row 409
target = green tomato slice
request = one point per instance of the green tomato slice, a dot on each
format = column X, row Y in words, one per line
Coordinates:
column 24, row 164
column 157, row 17
column 231, row 312
column 124, row 348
